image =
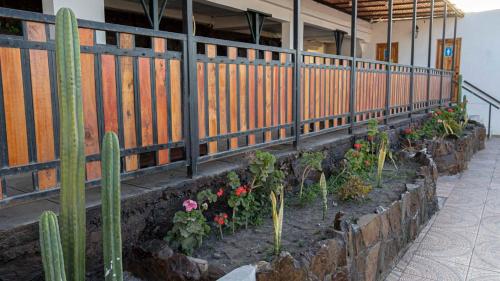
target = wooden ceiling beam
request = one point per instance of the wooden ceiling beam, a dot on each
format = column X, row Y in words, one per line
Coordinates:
column 376, row 9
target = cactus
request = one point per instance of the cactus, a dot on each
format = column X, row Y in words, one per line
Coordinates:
column 110, row 195
column 73, row 174
column 50, row 244
column 71, row 144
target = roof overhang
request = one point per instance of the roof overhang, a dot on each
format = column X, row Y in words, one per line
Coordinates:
column 377, row 10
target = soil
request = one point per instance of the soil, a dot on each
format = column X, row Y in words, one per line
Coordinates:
column 302, row 226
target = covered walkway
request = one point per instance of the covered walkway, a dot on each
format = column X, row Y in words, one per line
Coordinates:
column 462, row 242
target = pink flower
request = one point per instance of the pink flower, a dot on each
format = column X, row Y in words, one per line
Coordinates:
column 220, row 192
column 190, row 205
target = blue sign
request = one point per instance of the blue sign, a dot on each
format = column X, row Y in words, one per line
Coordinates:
column 448, row 52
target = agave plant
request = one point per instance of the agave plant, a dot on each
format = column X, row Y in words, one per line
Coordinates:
column 277, row 216
column 324, row 193
column 382, row 154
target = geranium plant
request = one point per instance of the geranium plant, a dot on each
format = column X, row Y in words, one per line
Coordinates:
column 221, row 221
column 244, row 206
column 190, row 227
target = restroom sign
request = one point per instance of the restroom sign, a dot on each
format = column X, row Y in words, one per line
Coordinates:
column 448, row 52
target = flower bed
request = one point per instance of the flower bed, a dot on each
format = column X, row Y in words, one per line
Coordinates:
column 351, row 231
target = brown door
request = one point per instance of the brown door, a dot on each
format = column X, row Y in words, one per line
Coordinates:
column 448, row 57
column 382, row 52
column 448, row 54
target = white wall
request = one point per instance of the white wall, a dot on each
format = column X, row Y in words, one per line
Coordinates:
column 480, row 58
column 402, row 34
column 84, row 9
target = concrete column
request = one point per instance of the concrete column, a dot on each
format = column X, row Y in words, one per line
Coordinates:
column 287, row 35
column 84, row 9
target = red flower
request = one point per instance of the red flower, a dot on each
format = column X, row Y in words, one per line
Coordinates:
column 220, row 192
column 357, row 146
column 242, row 190
column 407, row 131
column 370, row 138
column 450, row 110
column 219, row 220
column 437, row 112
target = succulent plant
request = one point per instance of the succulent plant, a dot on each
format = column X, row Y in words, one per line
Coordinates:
column 63, row 253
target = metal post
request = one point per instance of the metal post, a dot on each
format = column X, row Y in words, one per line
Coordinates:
column 339, row 38
column 389, row 55
column 412, row 59
column 296, row 72
column 442, row 54
column 429, row 50
column 489, row 122
column 352, row 94
column 255, row 21
column 153, row 13
column 192, row 140
column 453, row 57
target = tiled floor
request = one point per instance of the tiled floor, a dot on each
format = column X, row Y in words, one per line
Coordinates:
column 462, row 242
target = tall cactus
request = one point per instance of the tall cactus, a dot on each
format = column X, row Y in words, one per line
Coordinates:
column 72, row 194
column 50, row 244
column 71, row 144
column 110, row 195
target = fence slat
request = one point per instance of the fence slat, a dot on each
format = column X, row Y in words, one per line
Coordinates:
column 128, row 101
column 42, row 105
column 15, row 113
column 212, row 98
column 233, row 99
column 160, row 76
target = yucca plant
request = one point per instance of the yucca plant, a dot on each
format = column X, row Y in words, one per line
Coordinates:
column 324, row 194
column 63, row 254
column 277, row 216
column 382, row 154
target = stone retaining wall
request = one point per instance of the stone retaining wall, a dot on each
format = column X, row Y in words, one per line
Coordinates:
column 452, row 155
column 369, row 248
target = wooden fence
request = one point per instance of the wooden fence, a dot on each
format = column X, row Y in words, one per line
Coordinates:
column 135, row 86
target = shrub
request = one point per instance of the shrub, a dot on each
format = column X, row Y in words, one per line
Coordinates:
column 309, row 161
column 353, row 189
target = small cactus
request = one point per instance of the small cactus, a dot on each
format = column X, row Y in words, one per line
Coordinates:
column 71, row 144
column 50, row 244
column 110, row 195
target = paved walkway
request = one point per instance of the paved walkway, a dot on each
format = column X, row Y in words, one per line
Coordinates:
column 462, row 242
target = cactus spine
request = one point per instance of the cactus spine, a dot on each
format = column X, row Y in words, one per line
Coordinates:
column 110, row 195
column 71, row 144
column 50, row 244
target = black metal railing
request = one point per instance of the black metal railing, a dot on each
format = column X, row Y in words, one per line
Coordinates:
column 482, row 95
column 176, row 100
